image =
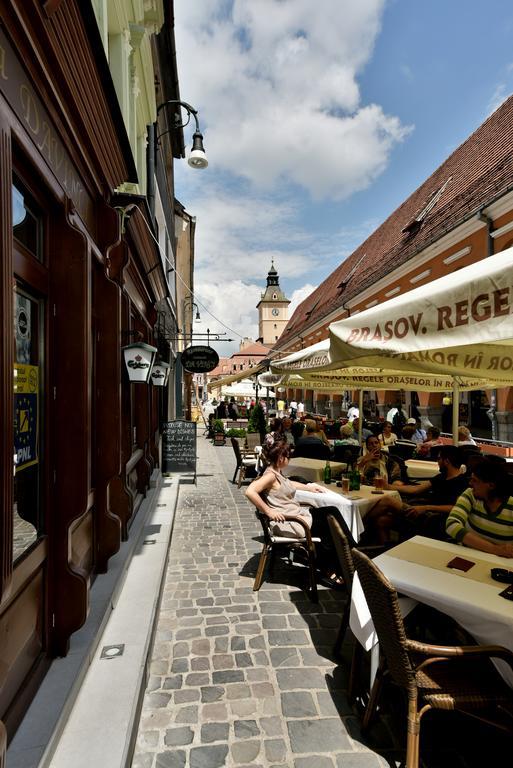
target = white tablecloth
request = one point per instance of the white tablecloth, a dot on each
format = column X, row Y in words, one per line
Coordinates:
column 422, row 469
column 312, row 469
column 348, row 509
column 475, row 606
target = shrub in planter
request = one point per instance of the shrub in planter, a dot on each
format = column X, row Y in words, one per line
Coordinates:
column 236, row 433
column 256, row 421
column 219, row 433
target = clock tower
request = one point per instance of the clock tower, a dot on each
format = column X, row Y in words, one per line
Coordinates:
column 273, row 310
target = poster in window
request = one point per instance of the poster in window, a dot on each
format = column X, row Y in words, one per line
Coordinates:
column 26, row 392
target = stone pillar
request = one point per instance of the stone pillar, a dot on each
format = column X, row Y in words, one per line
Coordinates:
column 382, row 410
column 505, row 425
column 433, row 413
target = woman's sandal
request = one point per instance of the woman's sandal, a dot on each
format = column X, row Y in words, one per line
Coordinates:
column 333, row 581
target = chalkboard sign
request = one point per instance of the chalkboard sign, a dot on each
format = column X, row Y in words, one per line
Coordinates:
column 178, row 446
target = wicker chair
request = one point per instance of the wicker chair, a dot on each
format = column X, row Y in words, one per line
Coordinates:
column 245, row 462
column 252, row 440
column 305, row 545
column 460, row 678
column 344, row 544
column 348, row 454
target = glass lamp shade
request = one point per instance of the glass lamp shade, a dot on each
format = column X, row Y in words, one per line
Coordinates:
column 160, row 374
column 139, row 360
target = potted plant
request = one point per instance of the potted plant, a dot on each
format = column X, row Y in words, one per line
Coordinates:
column 219, row 433
column 256, row 421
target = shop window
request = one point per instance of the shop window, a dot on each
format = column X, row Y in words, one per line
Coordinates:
column 28, row 333
column 27, row 219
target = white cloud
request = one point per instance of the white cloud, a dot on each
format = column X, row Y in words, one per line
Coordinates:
column 299, row 296
column 499, row 95
column 276, row 85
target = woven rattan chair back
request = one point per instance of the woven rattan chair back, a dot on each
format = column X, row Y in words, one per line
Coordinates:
column 386, row 614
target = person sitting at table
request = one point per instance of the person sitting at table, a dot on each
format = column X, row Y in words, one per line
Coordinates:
column 365, row 431
column 347, row 436
column 419, row 434
column 273, row 494
column 464, row 436
column 437, row 496
column 387, row 436
column 482, row 517
column 432, row 439
column 310, row 444
column 376, row 463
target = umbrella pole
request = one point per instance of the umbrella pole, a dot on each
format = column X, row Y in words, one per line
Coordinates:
column 360, row 412
column 455, row 410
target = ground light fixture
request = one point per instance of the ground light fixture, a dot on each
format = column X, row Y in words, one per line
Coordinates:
column 139, row 361
column 159, row 374
column 197, row 157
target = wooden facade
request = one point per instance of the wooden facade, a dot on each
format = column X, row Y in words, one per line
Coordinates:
column 77, row 282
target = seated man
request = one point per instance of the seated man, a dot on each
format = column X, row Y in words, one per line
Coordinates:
column 482, row 517
column 310, row 444
column 365, row 432
column 439, row 494
column 376, row 463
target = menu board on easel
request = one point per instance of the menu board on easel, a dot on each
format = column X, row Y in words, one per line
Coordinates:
column 179, row 446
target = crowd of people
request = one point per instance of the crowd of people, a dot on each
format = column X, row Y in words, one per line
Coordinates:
column 469, row 500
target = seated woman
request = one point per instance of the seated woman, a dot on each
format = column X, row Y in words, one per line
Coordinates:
column 273, row 494
column 482, row 517
column 387, row 437
column 347, row 436
column 432, row 439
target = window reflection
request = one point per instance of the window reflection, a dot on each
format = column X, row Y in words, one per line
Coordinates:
column 27, row 219
column 27, row 382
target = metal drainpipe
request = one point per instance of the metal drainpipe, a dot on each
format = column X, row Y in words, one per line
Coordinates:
column 491, row 413
column 150, row 168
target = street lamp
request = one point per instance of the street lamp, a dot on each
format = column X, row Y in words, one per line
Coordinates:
column 197, row 157
column 188, row 303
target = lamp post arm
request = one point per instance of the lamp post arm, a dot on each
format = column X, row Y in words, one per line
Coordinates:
column 188, row 108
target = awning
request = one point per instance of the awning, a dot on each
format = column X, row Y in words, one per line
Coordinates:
column 458, row 325
column 245, row 374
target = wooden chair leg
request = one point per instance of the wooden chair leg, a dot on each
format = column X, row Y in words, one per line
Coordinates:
column 313, row 577
column 261, row 567
column 374, row 697
column 235, row 473
column 344, row 623
column 242, row 474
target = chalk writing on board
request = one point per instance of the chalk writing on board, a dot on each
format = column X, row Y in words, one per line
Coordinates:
column 179, row 446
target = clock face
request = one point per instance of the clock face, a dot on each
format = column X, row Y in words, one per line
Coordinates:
column 276, row 312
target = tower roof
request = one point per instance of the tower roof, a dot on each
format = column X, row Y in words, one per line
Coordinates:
column 273, row 291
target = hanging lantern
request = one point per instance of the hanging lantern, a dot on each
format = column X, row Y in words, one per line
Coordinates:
column 160, row 374
column 139, row 359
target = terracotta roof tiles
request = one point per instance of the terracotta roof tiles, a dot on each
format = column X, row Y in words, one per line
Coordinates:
column 477, row 172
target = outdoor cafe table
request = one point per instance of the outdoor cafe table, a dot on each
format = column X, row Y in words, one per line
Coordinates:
column 423, row 470
column 353, row 505
column 313, row 469
column 418, row 568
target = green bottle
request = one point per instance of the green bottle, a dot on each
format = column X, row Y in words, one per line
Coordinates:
column 354, row 480
column 327, row 473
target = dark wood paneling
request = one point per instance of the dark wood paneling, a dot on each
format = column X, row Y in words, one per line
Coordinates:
column 70, row 294
column 6, row 363
column 21, row 638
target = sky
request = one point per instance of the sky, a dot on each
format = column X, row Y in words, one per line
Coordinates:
column 319, row 120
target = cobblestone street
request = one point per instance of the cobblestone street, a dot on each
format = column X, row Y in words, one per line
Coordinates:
column 239, row 678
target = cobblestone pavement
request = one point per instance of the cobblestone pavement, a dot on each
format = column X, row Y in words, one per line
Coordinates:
column 240, row 678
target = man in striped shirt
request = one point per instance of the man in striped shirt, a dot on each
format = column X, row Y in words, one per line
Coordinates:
column 482, row 518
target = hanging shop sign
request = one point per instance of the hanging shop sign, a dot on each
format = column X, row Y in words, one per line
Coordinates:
column 199, row 359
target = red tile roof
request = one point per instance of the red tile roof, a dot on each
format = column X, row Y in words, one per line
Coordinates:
column 254, row 350
column 477, row 172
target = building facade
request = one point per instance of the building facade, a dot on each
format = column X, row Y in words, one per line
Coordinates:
column 88, row 254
